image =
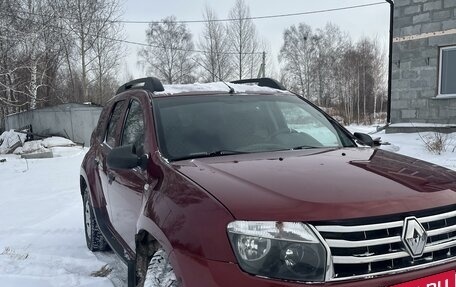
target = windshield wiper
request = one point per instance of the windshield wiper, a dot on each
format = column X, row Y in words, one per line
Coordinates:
column 209, row 154
column 305, row 147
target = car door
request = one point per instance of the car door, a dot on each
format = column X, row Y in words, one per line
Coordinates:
column 111, row 140
column 127, row 187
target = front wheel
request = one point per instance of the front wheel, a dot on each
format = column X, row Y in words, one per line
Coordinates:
column 159, row 272
column 94, row 238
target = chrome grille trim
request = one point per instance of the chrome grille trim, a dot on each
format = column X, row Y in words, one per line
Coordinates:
column 368, row 259
column 358, row 228
column 361, row 251
column 372, row 242
column 436, row 217
column 439, row 246
column 389, row 256
column 443, row 230
column 392, row 272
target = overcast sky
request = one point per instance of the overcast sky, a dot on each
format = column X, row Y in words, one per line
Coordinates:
column 370, row 21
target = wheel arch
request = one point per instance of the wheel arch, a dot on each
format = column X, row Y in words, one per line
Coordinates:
column 82, row 184
column 146, row 246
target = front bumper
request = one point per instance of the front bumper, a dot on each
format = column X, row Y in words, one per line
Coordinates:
column 199, row 272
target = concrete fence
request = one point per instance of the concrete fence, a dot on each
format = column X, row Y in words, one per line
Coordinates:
column 73, row 121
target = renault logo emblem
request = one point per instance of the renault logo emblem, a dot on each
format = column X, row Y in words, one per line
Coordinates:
column 414, row 237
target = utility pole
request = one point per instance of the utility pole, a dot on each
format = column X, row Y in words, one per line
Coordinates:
column 262, row 71
column 390, row 61
column 264, row 64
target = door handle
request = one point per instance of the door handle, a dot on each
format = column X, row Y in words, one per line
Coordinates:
column 111, row 177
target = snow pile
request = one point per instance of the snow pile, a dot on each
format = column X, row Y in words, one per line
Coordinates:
column 45, row 145
column 56, row 142
column 419, row 125
column 9, row 139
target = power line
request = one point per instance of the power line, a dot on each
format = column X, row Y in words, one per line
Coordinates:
column 232, row 19
column 255, row 17
column 178, row 49
column 205, row 21
column 137, row 43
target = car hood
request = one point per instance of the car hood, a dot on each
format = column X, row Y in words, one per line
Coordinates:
column 321, row 184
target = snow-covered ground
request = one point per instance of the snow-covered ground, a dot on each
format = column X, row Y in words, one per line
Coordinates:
column 412, row 144
column 42, row 240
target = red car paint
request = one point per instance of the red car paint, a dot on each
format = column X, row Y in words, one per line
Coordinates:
column 186, row 205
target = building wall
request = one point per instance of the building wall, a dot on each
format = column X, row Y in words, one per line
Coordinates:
column 416, row 62
column 73, row 121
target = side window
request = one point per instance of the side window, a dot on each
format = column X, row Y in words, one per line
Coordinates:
column 134, row 125
column 114, row 123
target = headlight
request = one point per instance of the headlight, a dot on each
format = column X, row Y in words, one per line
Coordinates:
column 282, row 250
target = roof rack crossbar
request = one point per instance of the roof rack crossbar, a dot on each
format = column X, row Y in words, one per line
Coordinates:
column 262, row 82
column 151, row 84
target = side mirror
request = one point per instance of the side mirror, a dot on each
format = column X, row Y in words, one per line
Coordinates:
column 366, row 139
column 125, row 157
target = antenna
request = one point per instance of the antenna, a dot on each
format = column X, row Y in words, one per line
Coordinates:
column 214, row 75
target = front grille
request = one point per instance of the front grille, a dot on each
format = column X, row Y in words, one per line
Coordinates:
column 376, row 246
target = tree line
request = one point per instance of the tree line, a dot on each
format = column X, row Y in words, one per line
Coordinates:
column 62, row 51
column 57, row 51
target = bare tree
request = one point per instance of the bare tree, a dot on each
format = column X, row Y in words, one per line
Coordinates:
column 331, row 43
column 9, row 48
column 107, row 52
column 215, row 59
column 28, row 53
column 90, row 23
column 41, row 60
column 327, row 68
column 364, row 73
column 296, row 55
column 243, row 40
column 169, row 54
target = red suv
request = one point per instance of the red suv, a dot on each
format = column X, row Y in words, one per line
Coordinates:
column 234, row 184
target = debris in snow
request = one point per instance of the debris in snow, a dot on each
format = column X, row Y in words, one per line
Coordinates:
column 10, row 140
column 13, row 254
column 2, row 160
column 42, row 148
column 31, row 147
column 46, row 154
column 103, row 272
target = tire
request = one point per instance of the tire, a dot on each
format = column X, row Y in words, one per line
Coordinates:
column 159, row 272
column 94, row 238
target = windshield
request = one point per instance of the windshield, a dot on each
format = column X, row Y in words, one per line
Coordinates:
column 199, row 126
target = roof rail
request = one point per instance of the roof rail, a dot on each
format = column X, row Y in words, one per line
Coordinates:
column 262, row 82
column 150, row 84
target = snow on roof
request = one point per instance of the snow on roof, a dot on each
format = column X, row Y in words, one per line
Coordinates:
column 216, row 87
column 420, row 125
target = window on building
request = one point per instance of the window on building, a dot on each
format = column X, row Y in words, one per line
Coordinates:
column 447, row 82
